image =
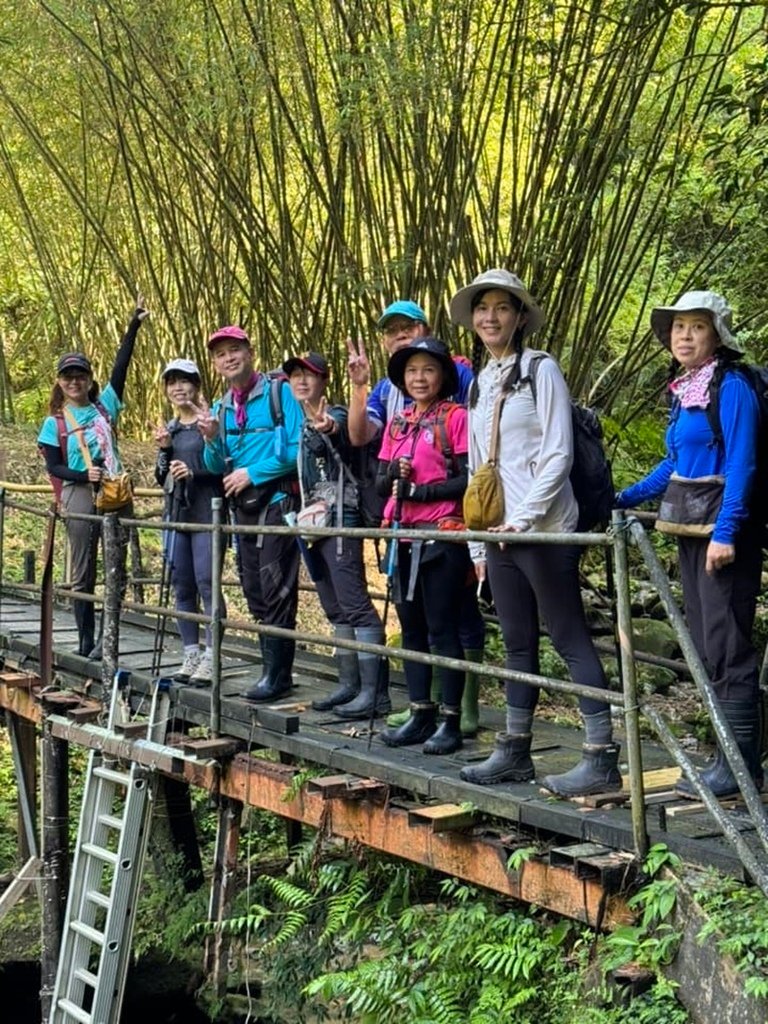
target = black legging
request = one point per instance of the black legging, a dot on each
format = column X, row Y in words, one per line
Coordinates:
column 434, row 615
column 528, row 579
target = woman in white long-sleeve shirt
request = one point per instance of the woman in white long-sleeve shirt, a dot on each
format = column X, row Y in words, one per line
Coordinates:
column 535, row 456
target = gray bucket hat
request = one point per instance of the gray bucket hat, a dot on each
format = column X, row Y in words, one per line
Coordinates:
column 697, row 302
column 460, row 307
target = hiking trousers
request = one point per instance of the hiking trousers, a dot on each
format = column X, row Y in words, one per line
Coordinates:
column 720, row 613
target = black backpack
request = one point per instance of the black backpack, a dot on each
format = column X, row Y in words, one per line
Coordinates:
column 591, row 477
column 757, row 378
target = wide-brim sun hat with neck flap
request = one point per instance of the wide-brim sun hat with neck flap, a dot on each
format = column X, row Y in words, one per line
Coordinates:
column 460, row 307
column 425, row 346
column 710, row 303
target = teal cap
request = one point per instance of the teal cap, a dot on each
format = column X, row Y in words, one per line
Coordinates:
column 403, row 307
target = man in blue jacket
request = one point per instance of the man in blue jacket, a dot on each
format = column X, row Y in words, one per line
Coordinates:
column 252, row 438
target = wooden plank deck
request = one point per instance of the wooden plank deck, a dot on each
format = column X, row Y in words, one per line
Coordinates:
column 345, row 748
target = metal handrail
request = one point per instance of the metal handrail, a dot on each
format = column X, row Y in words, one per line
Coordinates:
column 624, row 529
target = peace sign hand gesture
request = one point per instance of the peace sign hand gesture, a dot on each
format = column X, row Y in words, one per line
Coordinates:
column 162, row 436
column 207, row 423
column 358, row 365
column 320, row 418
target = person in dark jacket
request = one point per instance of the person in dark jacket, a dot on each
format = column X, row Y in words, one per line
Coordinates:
column 80, row 448
column 189, row 489
column 329, row 473
column 720, row 554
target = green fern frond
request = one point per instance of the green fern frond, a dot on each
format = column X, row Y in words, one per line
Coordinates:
column 287, row 892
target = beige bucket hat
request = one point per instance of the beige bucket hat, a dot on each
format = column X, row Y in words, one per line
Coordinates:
column 697, row 302
column 460, row 307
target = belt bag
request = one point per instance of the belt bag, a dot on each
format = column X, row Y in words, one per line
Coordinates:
column 484, row 496
column 114, row 492
column 690, row 507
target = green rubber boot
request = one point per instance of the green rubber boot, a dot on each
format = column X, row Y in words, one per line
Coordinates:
column 470, row 713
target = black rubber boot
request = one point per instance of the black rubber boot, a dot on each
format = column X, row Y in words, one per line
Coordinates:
column 448, row 735
column 278, row 662
column 417, row 729
column 509, row 762
column 744, row 720
column 348, row 673
column 85, row 620
column 374, row 684
column 596, row 772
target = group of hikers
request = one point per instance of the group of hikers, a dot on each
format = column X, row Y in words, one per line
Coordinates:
column 279, row 453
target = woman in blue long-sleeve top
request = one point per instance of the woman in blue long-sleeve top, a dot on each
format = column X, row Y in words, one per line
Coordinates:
column 706, row 481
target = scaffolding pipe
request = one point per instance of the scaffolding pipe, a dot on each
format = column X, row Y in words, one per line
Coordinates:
column 629, row 681
column 217, row 565
column 722, row 729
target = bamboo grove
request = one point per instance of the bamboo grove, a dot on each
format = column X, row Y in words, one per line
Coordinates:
column 296, row 164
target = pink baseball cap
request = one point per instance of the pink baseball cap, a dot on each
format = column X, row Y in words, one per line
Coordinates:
column 229, row 333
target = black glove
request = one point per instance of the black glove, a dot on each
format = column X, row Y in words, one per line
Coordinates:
column 401, row 489
column 393, row 470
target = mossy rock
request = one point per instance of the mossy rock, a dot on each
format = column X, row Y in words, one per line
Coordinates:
column 655, row 637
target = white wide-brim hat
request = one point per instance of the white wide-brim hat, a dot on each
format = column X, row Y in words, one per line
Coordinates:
column 460, row 307
column 711, row 303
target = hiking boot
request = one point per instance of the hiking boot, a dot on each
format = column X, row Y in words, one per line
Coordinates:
column 188, row 666
column 203, row 674
column 419, row 727
column 744, row 720
column 596, row 772
column 510, row 761
column 448, row 735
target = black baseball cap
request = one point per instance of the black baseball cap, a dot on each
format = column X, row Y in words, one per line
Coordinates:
column 74, row 361
column 311, row 361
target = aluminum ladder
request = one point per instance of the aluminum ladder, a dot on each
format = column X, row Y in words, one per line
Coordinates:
column 106, row 875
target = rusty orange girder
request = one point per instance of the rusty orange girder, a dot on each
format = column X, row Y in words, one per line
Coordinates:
column 364, row 815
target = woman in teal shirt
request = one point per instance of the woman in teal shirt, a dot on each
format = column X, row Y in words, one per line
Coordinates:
column 81, row 418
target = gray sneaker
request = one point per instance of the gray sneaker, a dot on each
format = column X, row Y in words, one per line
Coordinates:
column 188, row 667
column 204, row 671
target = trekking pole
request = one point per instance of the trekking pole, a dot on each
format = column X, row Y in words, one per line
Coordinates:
column 391, row 570
column 166, row 576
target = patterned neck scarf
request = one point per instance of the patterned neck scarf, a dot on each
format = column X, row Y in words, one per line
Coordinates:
column 692, row 387
column 240, row 399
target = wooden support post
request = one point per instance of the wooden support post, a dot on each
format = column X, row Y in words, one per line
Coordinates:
column 217, row 946
column 181, row 828
column 55, row 856
column 24, row 748
column 293, row 829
